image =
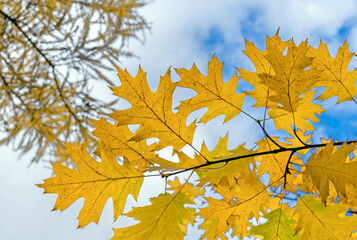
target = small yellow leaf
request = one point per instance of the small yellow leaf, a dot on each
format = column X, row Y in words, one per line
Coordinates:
column 334, row 72
column 220, row 98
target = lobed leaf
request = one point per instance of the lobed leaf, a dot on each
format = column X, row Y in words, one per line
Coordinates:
column 95, row 181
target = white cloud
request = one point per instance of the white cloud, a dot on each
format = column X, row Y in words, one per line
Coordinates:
column 302, row 18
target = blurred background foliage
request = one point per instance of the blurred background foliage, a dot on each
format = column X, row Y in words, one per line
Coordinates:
column 51, row 51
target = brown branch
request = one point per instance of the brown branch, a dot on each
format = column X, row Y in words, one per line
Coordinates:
column 287, row 171
column 226, row 160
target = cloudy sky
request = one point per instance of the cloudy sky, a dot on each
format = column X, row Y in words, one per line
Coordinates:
column 183, row 32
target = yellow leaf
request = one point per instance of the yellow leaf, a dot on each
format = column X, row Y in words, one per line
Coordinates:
column 279, row 226
column 275, row 164
column 153, row 111
column 328, row 165
column 291, row 78
column 305, row 110
column 117, row 138
column 317, row 221
column 185, row 162
column 165, row 219
column 219, row 152
column 350, row 198
column 188, row 189
column 224, row 214
column 262, row 65
column 283, row 82
column 229, row 172
column 220, row 98
column 95, row 181
column 334, row 72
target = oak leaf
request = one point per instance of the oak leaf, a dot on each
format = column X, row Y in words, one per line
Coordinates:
column 317, row 221
column 283, row 82
column 118, row 139
column 328, row 165
column 335, row 76
column 251, row 198
column 165, row 219
column 95, row 181
column 274, row 164
column 262, row 66
column 153, row 111
column 278, row 226
column 220, row 98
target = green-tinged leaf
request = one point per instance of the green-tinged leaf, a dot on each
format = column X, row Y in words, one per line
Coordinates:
column 278, row 227
column 317, row 221
column 165, row 219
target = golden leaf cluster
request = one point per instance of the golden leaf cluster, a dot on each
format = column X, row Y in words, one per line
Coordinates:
column 303, row 189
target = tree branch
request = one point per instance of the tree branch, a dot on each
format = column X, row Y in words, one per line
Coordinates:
column 13, row 21
column 292, row 149
column 287, row 171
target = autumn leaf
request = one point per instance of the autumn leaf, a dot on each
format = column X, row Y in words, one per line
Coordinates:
column 283, row 82
column 317, row 221
column 95, row 181
column 205, row 155
column 350, row 198
column 230, row 171
column 278, row 226
column 188, row 189
column 328, row 165
column 185, row 162
column 290, row 78
column 274, row 164
column 153, row 111
column 251, row 197
column 220, row 98
column 335, row 76
column 165, row 219
column 262, row 65
column 306, row 110
column 118, row 139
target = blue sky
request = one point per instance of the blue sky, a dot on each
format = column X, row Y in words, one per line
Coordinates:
column 184, row 32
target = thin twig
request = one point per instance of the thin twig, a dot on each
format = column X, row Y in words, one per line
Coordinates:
column 287, row 171
column 268, row 136
column 295, row 133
